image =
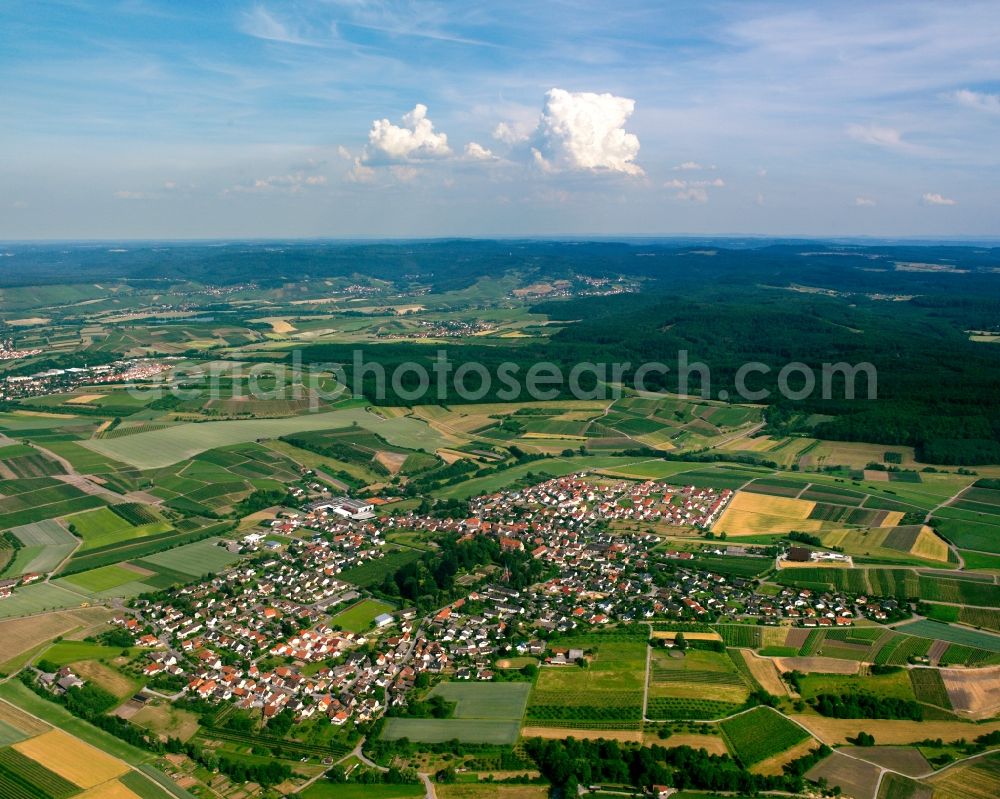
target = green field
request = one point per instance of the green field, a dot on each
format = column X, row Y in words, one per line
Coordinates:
column 359, row 617
column 956, row 635
column 760, row 733
column 46, row 545
column 21, row 776
column 37, row 598
column 485, row 700
column 102, row 579
column 609, row 690
column 103, row 527
column 331, row 790
column 201, row 557
column 66, row 652
column 374, row 571
column 894, row 685
column 484, row 713
column 159, row 448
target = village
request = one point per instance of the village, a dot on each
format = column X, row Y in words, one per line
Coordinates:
column 57, row 381
column 261, row 635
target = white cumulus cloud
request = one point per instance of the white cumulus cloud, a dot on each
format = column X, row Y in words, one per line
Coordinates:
column 864, row 202
column 586, row 131
column 511, row 133
column 476, row 152
column 980, row 101
column 414, row 139
column 691, row 166
column 933, row 198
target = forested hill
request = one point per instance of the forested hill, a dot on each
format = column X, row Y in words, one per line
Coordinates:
column 450, row 264
column 907, row 309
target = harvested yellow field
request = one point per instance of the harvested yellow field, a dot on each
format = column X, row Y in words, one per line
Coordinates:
column 19, row 720
column 929, row 546
column 818, row 665
column 973, row 779
column 663, row 635
column 449, row 456
column 974, row 691
column 111, row 680
column 876, row 476
column 83, row 399
column 588, row 735
column 486, row 791
column 71, row 758
column 755, row 444
column 280, row 325
column 892, row 519
column 554, row 436
column 891, row 731
column 29, row 321
column 109, row 790
column 857, row 454
column 22, row 635
column 749, row 514
column 764, row 672
column 393, row 461
column 772, row 767
column 713, row 744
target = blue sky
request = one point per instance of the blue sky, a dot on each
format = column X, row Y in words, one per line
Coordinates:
column 154, row 119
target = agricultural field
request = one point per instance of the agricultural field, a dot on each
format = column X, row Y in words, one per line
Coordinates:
column 694, row 684
column 72, row 759
column 750, row 514
column 194, row 560
column 917, row 544
column 22, row 636
column 46, row 544
column 894, row 685
column 479, row 700
column 38, row 598
column 330, row 790
column 160, row 448
column 904, row 759
column 896, row 786
column 890, row 732
column 973, row 779
column 484, row 713
column 21, row 776
column 952, row 633
column 374, row 572
column 360, row 617
column 103, row 579
column 855, row 778
column 929, row 687
column 760, row 734
column 608, row 693
column 972, row 692
column 37, row 499
column 104, row 527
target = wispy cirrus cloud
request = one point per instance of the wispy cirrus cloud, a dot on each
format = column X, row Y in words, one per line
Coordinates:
column 261, row 23
column 934, row 198
column 980, row 101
